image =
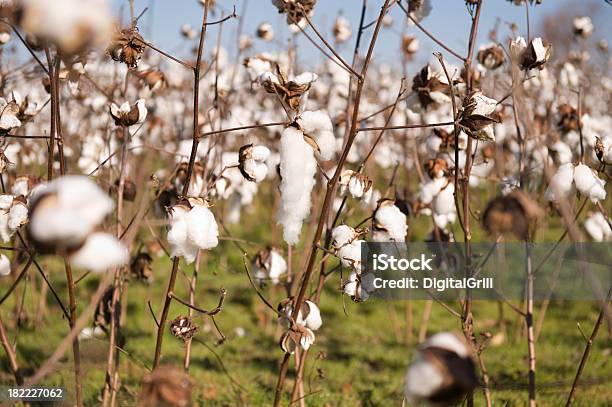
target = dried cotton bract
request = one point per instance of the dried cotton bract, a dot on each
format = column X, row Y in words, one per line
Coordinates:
column 192, row 227
column 127, row 47
column 296, row 10
column 477, row 116
column 531, row 56
column 290, row 90
column 126, row 115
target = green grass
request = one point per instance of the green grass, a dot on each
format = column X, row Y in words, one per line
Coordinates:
column 360, row 356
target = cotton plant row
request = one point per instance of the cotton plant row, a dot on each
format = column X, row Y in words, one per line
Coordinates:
column 273, row 127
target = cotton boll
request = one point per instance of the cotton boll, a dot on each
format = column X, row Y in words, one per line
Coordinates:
column 389, row 223
column 442, row 372
column 67, row 210
column 318, row 126
column 563, row 152
column 100, row 252
column 5, row 265
column 350, row 255
column 431, row 188
column 192, row 229
column 18, row 215
column 313, row 319
column 71, row 24
column 561, row 183
column 178, row 234
column 202, row 228
column 445, row 211
column 356, row 288
column 598, row 227
column 21, row 186
column 589, row 184
column 342, row 235
column 297, row 168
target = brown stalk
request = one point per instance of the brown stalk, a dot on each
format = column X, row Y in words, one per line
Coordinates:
column 192, row 158
column 587, row 350
column 329, row 194
column 10, row 355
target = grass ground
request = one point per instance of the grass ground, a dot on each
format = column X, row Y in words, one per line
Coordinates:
column 359, row 359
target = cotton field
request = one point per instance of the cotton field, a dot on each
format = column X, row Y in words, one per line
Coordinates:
column 190, row 224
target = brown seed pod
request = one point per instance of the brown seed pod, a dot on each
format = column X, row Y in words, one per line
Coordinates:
column 511, row 214
column 425, row 84
column 436, row 168
column 127, row 47
column 491, row 57
column 166, row 386
column 140, row 267
column 183, row 327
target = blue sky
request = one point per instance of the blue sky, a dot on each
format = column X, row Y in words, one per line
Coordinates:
column 449, row 21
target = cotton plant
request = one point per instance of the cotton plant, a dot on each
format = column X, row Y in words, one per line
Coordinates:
column 72, row 25
column 192, row 228
column 389, row 223
column 13, row 215
column 64, row 217
column 301, row 332
column 443, row 371
column 269, row 266
column 585, row 179
column 355, row 184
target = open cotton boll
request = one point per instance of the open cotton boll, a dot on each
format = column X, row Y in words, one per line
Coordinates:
column 350, row 255
column 313, row 316
column 429, row 190
column 18, row 215
column 5, row 265
column 202, row 229
column 100, row 252
column 445, row 211
column 389, row 224
column 192, row 229
column 561, row 183
column 318, row 126
column 598, row 227
column 297, row 168
column 178, row 234
column 442, row 372
column 342, row 235
column 589, row 184
column 67, row 210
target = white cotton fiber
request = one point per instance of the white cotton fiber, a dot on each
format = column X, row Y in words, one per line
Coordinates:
column 297, row 167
